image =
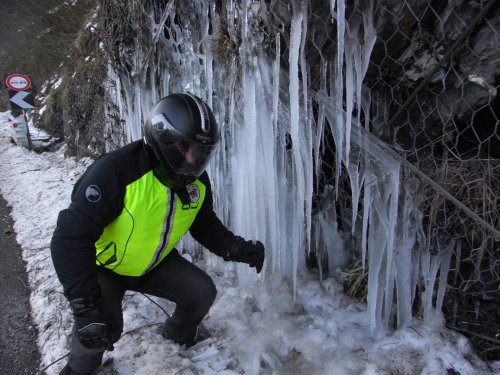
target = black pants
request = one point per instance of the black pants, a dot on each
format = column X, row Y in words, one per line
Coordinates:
column 175, row 279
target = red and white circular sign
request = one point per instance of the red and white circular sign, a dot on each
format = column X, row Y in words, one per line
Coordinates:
column 18, row 82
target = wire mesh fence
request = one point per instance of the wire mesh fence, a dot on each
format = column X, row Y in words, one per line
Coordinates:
column 433, row 84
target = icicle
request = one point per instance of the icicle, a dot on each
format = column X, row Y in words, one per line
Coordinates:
column 339, row 81
column 434, row 264
column 351, row 161
column 358, row 49
column 320, row 123
column 299, row 185
column 354, row 178
column 429, row 288
column 350, row 62
column 370, row 38
column 404, row 262
column 307, row 131
column 366, row 213
column 445, row 259
column 275, row 229
column 376, row 249
column 262, row 173
column 247, row 205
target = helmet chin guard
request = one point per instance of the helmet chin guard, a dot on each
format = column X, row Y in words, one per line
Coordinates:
column 182, row 134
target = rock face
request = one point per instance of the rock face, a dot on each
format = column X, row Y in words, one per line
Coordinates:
column 440, row 61
column 437, row 60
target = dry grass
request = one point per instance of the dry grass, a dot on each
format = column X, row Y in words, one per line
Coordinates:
column 355, row 281
column 474, row 278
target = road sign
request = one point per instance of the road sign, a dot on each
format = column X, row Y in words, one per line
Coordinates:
column 21, row 100
column 18, row 82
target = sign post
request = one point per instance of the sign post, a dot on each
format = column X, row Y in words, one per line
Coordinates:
column 21, row 99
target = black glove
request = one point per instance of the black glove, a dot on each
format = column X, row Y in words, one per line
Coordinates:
column 250, row 252
column 92, row 323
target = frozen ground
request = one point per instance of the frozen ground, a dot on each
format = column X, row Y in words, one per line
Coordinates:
column 257, row 328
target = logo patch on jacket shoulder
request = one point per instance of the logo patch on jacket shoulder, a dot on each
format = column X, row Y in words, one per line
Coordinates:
column 93, row 193
column 194, row 192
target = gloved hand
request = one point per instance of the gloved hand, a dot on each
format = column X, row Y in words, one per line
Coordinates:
column 250, row 252
column 92, row 323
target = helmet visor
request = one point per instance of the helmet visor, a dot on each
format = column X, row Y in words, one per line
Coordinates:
column 184, row 156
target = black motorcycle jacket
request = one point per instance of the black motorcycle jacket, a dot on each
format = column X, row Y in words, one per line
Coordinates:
column 108, row 192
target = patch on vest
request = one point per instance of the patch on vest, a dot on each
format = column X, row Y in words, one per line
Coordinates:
column 194, row 192
column 93, row 194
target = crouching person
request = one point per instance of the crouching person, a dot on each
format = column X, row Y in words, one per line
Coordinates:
column 127, row 213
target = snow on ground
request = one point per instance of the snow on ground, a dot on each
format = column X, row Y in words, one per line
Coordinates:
column 258, row 328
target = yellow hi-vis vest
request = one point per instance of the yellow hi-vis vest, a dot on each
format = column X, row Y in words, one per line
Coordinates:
column 152, row 222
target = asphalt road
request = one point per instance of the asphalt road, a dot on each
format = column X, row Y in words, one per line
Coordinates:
column 18, row 350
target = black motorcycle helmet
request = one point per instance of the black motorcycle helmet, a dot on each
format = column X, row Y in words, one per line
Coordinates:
column 182, row 134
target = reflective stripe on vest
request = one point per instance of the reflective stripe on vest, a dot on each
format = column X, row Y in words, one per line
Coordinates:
column 149, row 226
